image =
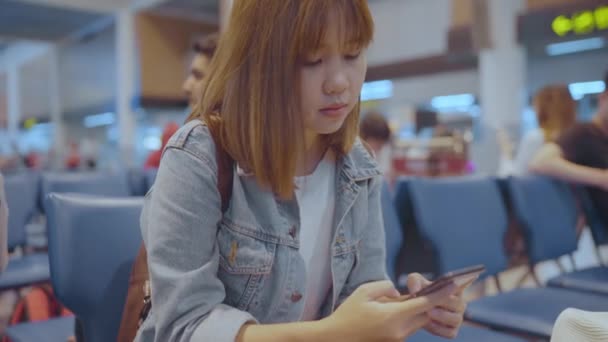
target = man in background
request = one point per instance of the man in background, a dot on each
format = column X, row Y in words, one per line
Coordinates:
column 199, row 67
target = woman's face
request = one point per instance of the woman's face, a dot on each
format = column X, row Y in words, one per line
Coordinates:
column 331, row 80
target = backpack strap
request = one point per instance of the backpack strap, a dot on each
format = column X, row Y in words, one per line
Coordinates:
column 368, row 148
column 138, row 302
column 225, row 173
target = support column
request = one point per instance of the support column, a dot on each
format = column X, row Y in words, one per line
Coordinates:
column 502, row 76
column 56, row 107
column 14, row 102
column 502, row 68
column 126, row 86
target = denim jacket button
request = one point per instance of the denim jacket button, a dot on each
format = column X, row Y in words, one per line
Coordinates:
column 296, row 297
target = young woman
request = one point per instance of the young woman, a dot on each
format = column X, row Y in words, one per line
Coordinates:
column 299, row 253
column 555, row 112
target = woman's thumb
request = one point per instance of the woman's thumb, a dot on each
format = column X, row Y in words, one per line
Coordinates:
column 415, row 282
column 379, row 289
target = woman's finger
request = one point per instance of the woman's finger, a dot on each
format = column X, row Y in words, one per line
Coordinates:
column 442, row 331
column 415, row 282
column 454, row 304
column 416, row 323
column 446, row 318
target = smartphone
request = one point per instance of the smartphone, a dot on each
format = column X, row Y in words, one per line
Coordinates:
column 461, row 277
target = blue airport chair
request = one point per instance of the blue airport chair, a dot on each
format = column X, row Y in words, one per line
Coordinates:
column 150, row 176
column 21, row 196
column 93, row 242
column 93, row 183
column 548, row 214
column 465, row 219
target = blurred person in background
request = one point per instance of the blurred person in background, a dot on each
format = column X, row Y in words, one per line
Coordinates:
column 153, row 161
column 72, row 161
column 33, row 160
column 9, row 163
column 204, row 50
column 555, row 112
column 12, row 161
column 580, row 155
column 89, row 152
column 375, row 131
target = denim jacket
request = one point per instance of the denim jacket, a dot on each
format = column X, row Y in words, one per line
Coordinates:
column 210, row 273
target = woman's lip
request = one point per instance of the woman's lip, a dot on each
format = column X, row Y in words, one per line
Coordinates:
column 334, row 112
column 333, row 108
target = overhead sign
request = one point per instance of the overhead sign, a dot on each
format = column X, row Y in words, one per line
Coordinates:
column 581, row 23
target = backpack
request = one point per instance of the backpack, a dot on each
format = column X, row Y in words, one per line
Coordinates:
column 138, row 302
column 38, row 304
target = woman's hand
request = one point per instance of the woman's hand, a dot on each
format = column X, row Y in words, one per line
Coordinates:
column 445, row 319
column 364, row 317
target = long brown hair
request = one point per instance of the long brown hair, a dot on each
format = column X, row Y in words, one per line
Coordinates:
column 555, row 110
column 251, row 97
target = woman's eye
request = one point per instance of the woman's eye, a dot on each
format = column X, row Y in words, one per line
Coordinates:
column 352, row 56
column 312, row 62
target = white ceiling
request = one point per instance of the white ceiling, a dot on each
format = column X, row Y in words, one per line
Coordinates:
column 22, row 22
column 110, row 6
column 107, row 6
column 53, row 20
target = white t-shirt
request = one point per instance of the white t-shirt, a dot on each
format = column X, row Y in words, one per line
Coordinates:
column 316, row 197
column 529, row 146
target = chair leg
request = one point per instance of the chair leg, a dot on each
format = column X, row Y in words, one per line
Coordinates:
column 561, row 267
column 523, row 278
column 572, row 261
column 498, row 284
column 599, row 256
column 534, row 276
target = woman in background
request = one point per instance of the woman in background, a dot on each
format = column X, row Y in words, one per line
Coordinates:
column 555, row 112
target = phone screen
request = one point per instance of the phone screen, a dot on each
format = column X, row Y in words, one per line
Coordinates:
column 461, row 277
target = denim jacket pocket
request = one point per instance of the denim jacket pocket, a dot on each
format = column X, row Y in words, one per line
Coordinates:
column 345, row 255
column 345, row 259
column 245, row 262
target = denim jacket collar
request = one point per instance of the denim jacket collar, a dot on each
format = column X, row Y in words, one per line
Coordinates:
column 358, row 164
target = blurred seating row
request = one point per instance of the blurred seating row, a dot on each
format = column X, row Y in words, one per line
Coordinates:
column 463, row 219
column 101, row 233
column 29, row 189
column 25, row 194
column 93, row 241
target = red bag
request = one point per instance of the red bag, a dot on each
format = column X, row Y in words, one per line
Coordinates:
column 39, row 304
